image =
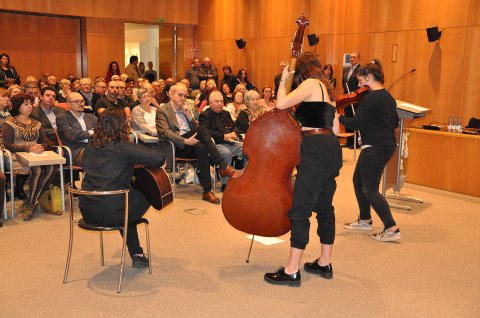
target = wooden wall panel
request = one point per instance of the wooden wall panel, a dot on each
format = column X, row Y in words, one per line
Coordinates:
column 105, row 43
column 112, row 9
column 60, row 45
column 182, row 11
column 38, row 44
column 474, row 17
column 74, row 8
column 147, row 10
column 29, row 5
column 469, row 102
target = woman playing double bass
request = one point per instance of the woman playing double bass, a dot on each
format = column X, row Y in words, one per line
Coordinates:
column 320, row 163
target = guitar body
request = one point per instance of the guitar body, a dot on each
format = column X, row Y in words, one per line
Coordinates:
column 155, row 185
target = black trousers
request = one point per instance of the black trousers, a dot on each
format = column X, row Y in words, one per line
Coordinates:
column 315, row 185
column 204, row 151
column 109, row 211
column 366, row 180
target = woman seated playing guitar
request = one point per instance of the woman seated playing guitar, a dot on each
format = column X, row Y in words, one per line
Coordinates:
column 108, row 162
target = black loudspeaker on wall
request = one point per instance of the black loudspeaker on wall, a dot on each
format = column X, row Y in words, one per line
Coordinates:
column 313, row 39
column 241, row 43
column 433, row 34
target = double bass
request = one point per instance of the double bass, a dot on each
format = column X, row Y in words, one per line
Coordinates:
column 258, row 202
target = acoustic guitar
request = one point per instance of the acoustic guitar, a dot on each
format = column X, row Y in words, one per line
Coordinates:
column 155, row 185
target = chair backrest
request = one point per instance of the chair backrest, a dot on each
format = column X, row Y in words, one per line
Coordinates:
column 98, row 193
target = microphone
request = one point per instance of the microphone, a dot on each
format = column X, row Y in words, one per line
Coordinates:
column 402, row 77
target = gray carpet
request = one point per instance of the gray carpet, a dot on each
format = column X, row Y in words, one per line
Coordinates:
column 199, row 267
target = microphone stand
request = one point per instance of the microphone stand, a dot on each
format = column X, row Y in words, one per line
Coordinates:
column 396, row 189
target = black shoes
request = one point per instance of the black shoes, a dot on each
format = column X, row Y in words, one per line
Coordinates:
column 314, row 268
column 139, row 261
column 282, row 278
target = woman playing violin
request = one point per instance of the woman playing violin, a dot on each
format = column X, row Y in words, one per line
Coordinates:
column 320, row 163
column 376, row 119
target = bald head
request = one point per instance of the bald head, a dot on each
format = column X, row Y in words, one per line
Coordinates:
column 75, row 102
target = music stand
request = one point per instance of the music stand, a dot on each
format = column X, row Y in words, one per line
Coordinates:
column 404, row 111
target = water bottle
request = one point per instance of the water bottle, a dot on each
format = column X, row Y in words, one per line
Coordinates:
column 459, row 124
column 450, row 123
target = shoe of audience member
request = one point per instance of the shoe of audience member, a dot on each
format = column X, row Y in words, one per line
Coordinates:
column 139, row 261
column 362, row 225
column 229, row 171
column 282, row 278
column 387, row 236
column 210, row 197
column 27, row 213
column 315, row 268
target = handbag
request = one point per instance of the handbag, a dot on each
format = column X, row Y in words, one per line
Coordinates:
column 50, row 201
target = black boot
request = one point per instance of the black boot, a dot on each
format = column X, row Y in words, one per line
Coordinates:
column 19, row 182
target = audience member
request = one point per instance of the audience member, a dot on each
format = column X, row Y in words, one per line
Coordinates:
column 4, row 105
column 110, row 100
column 227, row 93
column 192, row 74
column 150, row 74
column 222, row 129
column 31, row 89
column 113, row 69
column 65, row 88
column 237, row 105
column 175, row 123
column 350, row 84
column 253, row 110
column 88, row 95
column 14, row 90
column 328, row 75
column 23, row 133
column 7, row 71
column 267, row 102
column 229, row 78
column 242, row 78
column 143, row 115
column 132, row 69
column 47, row 113
column 75, row 128
column 208, row 71
column 141, row 68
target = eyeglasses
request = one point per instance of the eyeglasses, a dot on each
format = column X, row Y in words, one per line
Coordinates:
column 77, row 102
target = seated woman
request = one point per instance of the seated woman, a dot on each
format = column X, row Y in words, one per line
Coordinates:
column 109, row 161
column 22, row 133
column 143, row 115
column 65, row 88
column 267, row 102
column 242, row 78
column 227, row 95
column 252, row 112
column 237, row 105
column 4, row 104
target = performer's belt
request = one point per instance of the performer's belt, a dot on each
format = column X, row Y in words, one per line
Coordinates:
column 316, row 131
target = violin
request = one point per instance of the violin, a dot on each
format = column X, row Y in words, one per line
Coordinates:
column 353, row 98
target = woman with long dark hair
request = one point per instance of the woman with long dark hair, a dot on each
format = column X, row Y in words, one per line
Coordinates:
column 113, row 69
column 108, row 162
column 320, row 163
column 7, row 71
column 376, row 118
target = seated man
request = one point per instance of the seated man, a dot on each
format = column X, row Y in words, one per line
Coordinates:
column 110, row 100
column 47, row 113
column 76, row 127
column 223, row 130
column 175, row 123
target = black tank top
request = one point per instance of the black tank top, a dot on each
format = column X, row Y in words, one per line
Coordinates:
column 315, row 114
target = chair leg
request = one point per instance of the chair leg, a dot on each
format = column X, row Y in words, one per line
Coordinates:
column 122, row 265
column 69, row 255
column 102, row 259
column 149, row 254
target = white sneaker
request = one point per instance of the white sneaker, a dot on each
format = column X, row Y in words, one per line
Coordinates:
column 362, row 225
column 387, row 236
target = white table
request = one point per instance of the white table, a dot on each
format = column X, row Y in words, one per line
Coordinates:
column 148, row 139
column 46, row 158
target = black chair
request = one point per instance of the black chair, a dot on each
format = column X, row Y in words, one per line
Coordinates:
column 91, row 227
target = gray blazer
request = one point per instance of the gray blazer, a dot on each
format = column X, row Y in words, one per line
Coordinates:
column 167, row 125
column 72, row 134
column 39, row 115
